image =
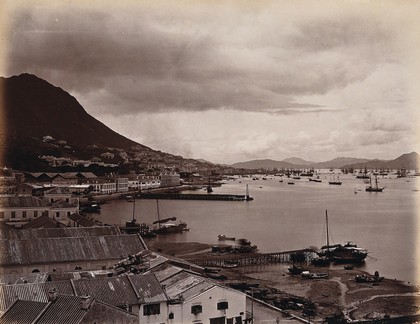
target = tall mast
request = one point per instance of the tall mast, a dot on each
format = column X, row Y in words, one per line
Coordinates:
column 134, row 208
column 157, row 207
column 328, row 238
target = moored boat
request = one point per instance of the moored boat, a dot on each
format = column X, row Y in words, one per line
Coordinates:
column 375, row 188
column 223, row 237
column 342, row 253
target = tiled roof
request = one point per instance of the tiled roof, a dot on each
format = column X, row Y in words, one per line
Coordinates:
column 87, row 175
column 58, row 191
column 107, row 314
column 23, row 312
column 147, row 288
column 116, row 291
column 32, row 291
column 82, row 220
column 65, row 309
column 22, row 201
column 42, row 221
column 68, row 249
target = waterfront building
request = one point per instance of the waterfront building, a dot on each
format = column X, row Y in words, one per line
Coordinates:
column 103, row 187
column 170, row 179
column 64, row 249
column 18, row 210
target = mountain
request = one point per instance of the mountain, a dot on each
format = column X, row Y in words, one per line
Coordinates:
column 409, row 161
column 337, row 163
column 297, row 161
column 262, row 164
column 34, row 108
column 41, row 123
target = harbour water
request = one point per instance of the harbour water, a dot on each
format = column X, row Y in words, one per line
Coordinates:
column 286, row 217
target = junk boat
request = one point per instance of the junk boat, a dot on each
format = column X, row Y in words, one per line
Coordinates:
column 168, row 225
column 343, row 253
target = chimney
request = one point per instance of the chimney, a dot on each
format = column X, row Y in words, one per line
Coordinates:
column 52, row 295
column 85, row 302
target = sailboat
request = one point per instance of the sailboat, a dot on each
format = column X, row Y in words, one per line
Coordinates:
column 343, row 253
column 167, row 225
column 334, row 181
column 132, row 227
column 376, row 188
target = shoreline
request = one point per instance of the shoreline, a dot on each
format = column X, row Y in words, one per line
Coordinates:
column 335, row 296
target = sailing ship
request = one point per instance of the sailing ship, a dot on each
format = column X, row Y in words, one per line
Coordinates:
column 132, row 227
column 342, row 253
column 168, row 225
column 335, row 181
column 376, row 188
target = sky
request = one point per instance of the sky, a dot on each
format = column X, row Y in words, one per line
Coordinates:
column 231, row 81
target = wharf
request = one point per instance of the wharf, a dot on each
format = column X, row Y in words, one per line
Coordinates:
column 180, row 196
column 252, row 258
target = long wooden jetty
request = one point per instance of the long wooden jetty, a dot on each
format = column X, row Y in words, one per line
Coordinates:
column 253, row 258
column 180, row 196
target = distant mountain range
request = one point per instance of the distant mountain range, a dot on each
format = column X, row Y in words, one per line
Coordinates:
column 408, row 161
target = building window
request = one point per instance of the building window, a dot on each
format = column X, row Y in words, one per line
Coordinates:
column 222, row 305
column 24, row 214
column 35, row 213
column 13, row 214
column 229, row 320
column 151, row 309
column 68, row 214
column 196, row 309
column 57, row 214
column 171, row 316
column 1, row 214
column 238, row 320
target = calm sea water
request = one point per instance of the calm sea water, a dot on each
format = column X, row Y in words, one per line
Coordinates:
column 285, row 217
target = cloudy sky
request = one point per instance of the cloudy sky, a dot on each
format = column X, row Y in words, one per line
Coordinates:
column 230, row 81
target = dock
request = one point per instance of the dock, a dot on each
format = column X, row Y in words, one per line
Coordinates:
column 180, row 196
column 253, row 258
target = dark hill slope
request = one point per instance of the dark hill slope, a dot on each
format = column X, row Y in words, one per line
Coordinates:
column 32, row 108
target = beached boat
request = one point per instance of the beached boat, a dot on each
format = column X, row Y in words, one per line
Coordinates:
column 129, row 198
column 314, row 275
column 223, row 237
column 294, row 269
column 342, row 253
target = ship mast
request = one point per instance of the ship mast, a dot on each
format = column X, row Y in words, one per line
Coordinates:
column 157, row 207
column 134, row 208
column 328, row 238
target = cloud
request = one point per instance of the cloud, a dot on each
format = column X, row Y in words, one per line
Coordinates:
column 165, row 58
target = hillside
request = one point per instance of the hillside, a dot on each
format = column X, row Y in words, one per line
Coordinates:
column 263, row 164
column 41, row 124
column 34, row 108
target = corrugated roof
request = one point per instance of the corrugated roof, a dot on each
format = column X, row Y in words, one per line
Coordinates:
column 28, row 234
column 180, row 283
column 197, row 289
column 68, row 249
column 22, row 201
column 23, row 312
column 165, row 271
column 148, row 288
column 116, row 291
